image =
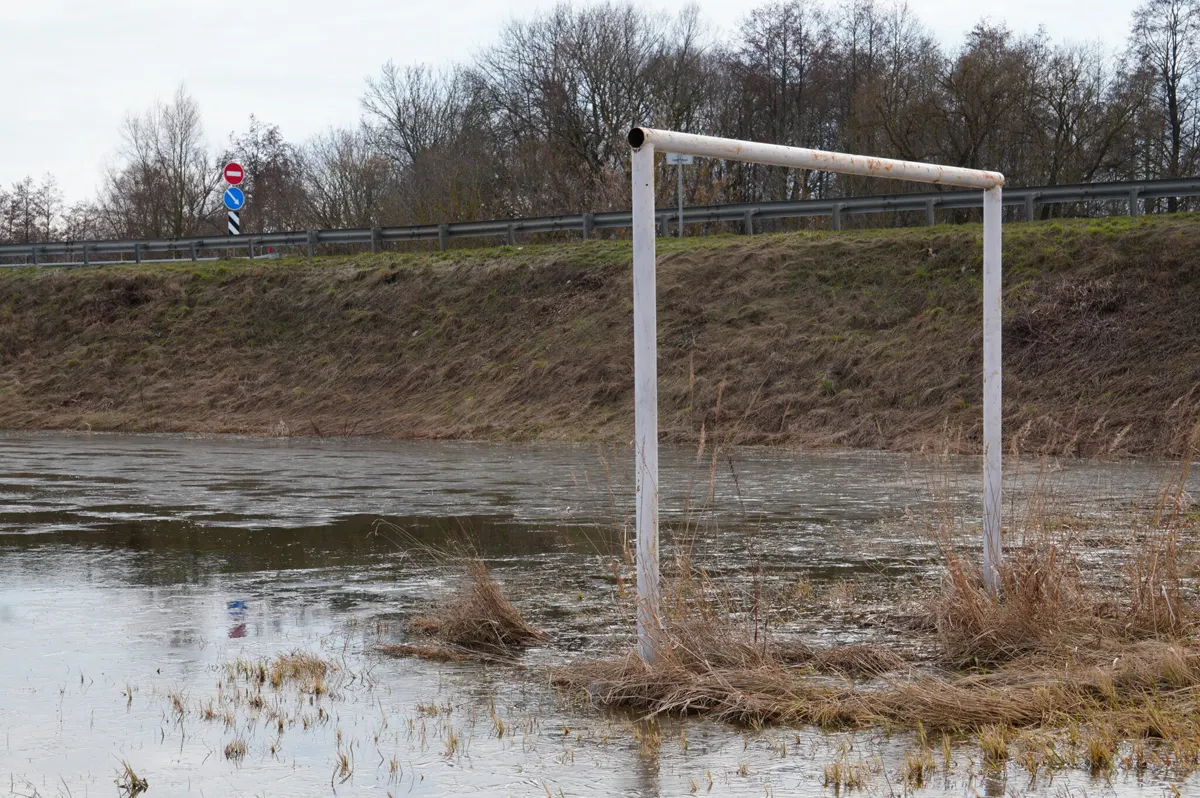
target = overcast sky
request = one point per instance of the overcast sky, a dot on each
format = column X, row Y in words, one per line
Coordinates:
column 74, row 68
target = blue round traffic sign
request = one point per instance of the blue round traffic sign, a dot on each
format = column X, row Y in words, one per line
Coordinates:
column 234, row 198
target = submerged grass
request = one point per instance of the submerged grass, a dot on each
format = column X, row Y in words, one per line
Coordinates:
column 129, row 783
column 1066, row 654
column 306, row 671
column 1047, row 606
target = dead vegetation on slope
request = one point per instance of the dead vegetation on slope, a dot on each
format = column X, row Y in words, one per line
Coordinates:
column 867, row 339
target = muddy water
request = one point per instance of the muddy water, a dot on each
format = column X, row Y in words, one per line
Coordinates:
column 134, row 569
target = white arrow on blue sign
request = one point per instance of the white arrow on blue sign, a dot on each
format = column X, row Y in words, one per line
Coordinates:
column 234, row 198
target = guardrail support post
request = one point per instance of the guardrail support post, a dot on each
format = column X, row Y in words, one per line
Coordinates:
column 85, row 255
column 837, row 217
column 992, row 389
column 510, row 236
column 1029, row 209
column 193, row 249
column 376, row 240
column 443, row 235
column 1134, row 208
column 33, row 255
column 312, row 239
column 137, row 252
column 589, row 221
column 664, row 226
column 929, row 220
column 748, row 223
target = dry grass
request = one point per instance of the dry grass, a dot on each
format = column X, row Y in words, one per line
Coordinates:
column 236, row 751
column 477, row 620
column 1061, row 647
column 1041, row 603
column 1146, row 689
column 1100, row 751
column 919, row 767
column 1046, row 607
column 715, row 657
column 993, row 744
column 844, row 775
column 857, row 660
column 129, row 783
column 1157, row 606
column 306, row 671
column 710, row 663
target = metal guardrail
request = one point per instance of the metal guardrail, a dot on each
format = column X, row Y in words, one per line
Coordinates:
column 1130, row 192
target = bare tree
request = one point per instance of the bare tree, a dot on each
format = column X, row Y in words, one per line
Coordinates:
column 983, row 94
column 535, row 123
column 416, row 109
column 273, row 178
column 1166, row 42
column 898, row 104
column 683, row 73
column 348, row 182
column 1083, row 117
column 82, row 222
column 786, row 68
column 564, row 87
column 48, row 204
column 165, row 184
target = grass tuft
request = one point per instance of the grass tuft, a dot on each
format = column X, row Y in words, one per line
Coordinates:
column 129, row 783
column 477, row 620
column 918, row 768
column 306, row 671
column 842, row 775
column 993, row 743
column 236, row 751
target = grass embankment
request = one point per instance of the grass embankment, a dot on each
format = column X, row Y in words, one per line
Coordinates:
column 867, row 339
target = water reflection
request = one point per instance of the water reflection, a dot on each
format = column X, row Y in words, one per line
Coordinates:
column 237, row 615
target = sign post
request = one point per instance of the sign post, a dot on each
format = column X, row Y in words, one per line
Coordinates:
column 234, row 200
column 234, row 197
column 680, row 161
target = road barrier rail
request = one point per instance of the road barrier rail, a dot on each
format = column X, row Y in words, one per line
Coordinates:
column 1131, row 194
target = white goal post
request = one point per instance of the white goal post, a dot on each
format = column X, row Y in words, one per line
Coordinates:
column 645, row 142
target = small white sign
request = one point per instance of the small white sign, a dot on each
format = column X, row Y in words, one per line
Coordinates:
column 678, row 159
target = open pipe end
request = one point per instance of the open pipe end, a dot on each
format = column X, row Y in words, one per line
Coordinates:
column 637, row 137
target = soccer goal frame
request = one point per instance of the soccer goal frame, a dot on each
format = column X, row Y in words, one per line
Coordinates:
column 645, row 142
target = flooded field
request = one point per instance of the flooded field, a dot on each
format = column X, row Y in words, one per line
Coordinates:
column 145, row 581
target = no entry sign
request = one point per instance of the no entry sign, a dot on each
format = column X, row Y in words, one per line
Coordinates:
column 233, row 173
